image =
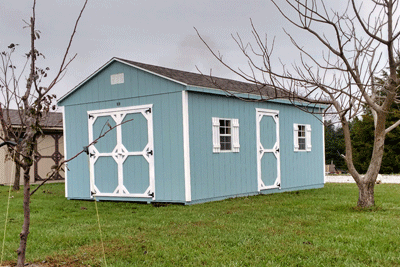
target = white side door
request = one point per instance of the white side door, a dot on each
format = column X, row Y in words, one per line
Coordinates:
column 268, row 149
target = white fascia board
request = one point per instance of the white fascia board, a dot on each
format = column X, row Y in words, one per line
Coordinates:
column 104, row 66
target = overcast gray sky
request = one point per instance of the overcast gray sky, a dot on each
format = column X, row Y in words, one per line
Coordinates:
column 158, row 32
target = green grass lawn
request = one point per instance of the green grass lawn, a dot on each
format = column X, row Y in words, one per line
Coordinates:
column 306, row 228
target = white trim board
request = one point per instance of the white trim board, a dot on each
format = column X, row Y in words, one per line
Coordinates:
column 186, row 145
column 323, row 146
column 65, row 154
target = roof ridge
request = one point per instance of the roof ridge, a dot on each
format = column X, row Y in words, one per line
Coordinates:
column 178, row 70
column 201, row 80
column 172, row 69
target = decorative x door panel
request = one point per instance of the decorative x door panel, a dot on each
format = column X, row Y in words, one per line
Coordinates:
column 268, row 149
column 122, row 162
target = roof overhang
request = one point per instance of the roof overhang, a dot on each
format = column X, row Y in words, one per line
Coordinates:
column 253, row 97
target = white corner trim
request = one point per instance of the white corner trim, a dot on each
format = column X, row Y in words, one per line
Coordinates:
column 323, row 146
column 65, row 154
column 186, row 145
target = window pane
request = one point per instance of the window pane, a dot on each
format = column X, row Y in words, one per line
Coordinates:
column 223, row 146
column 302, row 144
column 225, row 142
column 228, row 146
column 221, row 130
column 221, row 122
column 302, row 131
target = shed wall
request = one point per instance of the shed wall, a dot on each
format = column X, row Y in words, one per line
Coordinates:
column 226, row 174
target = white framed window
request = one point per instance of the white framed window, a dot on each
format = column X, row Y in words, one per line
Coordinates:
column 225, row 135
column 302, row 137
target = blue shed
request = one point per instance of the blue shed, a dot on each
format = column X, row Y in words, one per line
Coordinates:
column 182, row 137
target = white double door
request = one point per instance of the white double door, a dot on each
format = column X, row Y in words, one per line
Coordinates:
column 121, row 162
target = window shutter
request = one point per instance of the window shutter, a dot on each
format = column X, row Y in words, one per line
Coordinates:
column 215, row 135
column 235, row 135
column 296, row 136
column 308, row 137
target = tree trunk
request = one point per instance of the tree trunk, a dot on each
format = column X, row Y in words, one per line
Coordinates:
column 366, row 197
column 17, row 177
column 25, row 227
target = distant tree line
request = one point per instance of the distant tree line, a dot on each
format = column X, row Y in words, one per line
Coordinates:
column 362, row 134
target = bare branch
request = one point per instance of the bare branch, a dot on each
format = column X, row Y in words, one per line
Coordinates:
column 65, row 63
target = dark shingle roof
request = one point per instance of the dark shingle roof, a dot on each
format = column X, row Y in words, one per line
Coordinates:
column 52, row 120
column 200, row 80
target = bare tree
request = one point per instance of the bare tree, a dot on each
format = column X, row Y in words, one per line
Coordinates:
column 24, row 91
column 357, row 44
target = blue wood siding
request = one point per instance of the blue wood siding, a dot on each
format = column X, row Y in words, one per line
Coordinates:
column 137, row 83
column 301, row 168
column 140, row 88
column 216, row 175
